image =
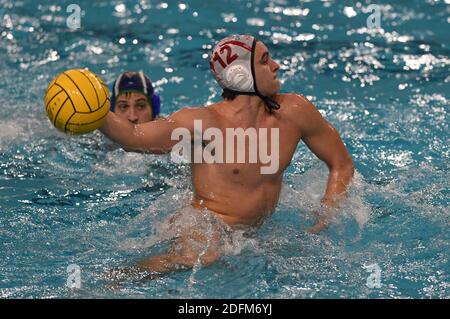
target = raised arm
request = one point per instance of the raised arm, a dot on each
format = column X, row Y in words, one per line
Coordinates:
column 151, row 137
column 324, row 141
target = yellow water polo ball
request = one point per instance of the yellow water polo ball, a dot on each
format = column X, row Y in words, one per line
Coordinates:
column 77, row 101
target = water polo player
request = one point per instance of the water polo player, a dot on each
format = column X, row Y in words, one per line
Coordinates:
column 133, row 98
column 238, row 192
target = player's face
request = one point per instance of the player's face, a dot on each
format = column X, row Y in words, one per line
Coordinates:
column 266, row 70
column 134, row 107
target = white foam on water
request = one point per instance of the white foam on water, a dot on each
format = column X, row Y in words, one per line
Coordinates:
column 309, row 189
column 22, row 130
column 10, row 131
column 120, row 162
column 167, row 226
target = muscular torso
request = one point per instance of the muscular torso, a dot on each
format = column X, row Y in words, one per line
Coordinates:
column 238, row 192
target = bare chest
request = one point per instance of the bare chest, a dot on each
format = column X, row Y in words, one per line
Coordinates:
column 246, row 155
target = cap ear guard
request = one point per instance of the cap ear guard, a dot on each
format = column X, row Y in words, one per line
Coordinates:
column 112, row 100
column 239, row 78
column 156, row 104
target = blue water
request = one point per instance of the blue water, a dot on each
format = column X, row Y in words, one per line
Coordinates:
column 80, row 200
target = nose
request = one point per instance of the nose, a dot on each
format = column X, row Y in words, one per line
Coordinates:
column 275, row 66
column 132, row 116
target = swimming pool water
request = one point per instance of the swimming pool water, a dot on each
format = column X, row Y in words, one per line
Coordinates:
column 80, row 200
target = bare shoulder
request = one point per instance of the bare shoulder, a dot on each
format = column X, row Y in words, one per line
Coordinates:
column 298, row 110
column 189, row 112
column 187, row 115
column 292, row 103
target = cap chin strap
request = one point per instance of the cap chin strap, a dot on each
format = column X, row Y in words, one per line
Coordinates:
column 238, row 92
column 270, row 103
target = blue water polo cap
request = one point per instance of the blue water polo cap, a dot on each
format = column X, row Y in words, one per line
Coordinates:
column 135, row 82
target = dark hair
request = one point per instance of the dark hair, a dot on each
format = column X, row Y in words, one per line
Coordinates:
column 228, row 95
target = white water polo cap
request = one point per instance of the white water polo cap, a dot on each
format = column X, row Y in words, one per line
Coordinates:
column 232, row 63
